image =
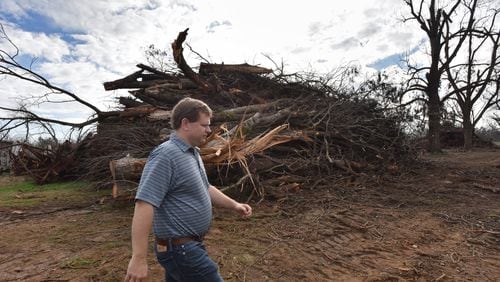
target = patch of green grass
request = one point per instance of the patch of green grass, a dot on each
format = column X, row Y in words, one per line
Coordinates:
column 29, row 194
column 28, row 186
column 78, row 263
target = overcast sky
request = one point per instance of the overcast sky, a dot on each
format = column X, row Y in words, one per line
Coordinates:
column 81, row 44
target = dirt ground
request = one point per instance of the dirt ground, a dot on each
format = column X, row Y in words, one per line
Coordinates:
column 438, row 222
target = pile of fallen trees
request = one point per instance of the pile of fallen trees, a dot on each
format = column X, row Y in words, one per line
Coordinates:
column 271, row 135
column 44, row 165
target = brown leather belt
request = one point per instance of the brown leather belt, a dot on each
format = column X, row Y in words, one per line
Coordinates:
column 177, row 241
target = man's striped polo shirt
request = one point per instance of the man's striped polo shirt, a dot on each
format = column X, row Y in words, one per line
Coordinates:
column 174, row 181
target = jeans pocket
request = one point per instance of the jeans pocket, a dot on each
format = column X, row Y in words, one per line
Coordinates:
column 163, row 256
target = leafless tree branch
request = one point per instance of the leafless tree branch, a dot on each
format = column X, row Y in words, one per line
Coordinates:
column 23, row 116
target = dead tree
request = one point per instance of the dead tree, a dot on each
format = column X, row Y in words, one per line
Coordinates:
column 436, row 22
column 475, row 81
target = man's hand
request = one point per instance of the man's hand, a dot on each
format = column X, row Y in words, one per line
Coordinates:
column 141, row 224
column 137, row 270
column 243, row 209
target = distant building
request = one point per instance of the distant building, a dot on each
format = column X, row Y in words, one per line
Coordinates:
column 5, row 149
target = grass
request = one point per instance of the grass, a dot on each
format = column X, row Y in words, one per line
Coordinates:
column 28, row 194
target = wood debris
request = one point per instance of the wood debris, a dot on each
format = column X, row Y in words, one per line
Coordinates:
column 264, row 126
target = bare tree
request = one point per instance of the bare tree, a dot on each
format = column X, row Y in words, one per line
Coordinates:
column 475, row 82
column 435, row 22
column 23, row 116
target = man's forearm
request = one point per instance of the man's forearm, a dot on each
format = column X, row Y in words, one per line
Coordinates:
column 220, row 199
column 141, row 226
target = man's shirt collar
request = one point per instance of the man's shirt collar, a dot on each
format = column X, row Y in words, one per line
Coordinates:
column 181, row 143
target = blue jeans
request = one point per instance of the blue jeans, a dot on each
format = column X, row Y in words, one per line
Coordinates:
column 188, row 262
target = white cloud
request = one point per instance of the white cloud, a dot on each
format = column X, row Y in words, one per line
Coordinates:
column 14, row 8
column 14, row 89
column 37, row 45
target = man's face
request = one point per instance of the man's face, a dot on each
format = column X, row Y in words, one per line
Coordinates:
column 199, row 130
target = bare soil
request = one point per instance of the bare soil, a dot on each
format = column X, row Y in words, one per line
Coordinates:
column 437, row 222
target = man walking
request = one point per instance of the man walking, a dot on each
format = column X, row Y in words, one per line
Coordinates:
column 175, row 197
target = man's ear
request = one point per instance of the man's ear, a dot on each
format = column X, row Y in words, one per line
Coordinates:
column 185, row 124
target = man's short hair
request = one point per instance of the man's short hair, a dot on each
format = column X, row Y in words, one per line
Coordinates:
column 188, row 108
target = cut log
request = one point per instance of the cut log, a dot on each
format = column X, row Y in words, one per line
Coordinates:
column 166, row 95
column 126, row 173
column 135, row 84
column 185, row 83
column 239, row 112
column 137, row 111
column 160, row 115
column 239, row 68
column 159, row 96
column 117, row 84
column 131, row 84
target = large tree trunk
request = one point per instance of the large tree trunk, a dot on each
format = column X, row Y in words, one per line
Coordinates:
column 434, row 128
column 434, row 104
column 433, row 80
column 468, row 131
